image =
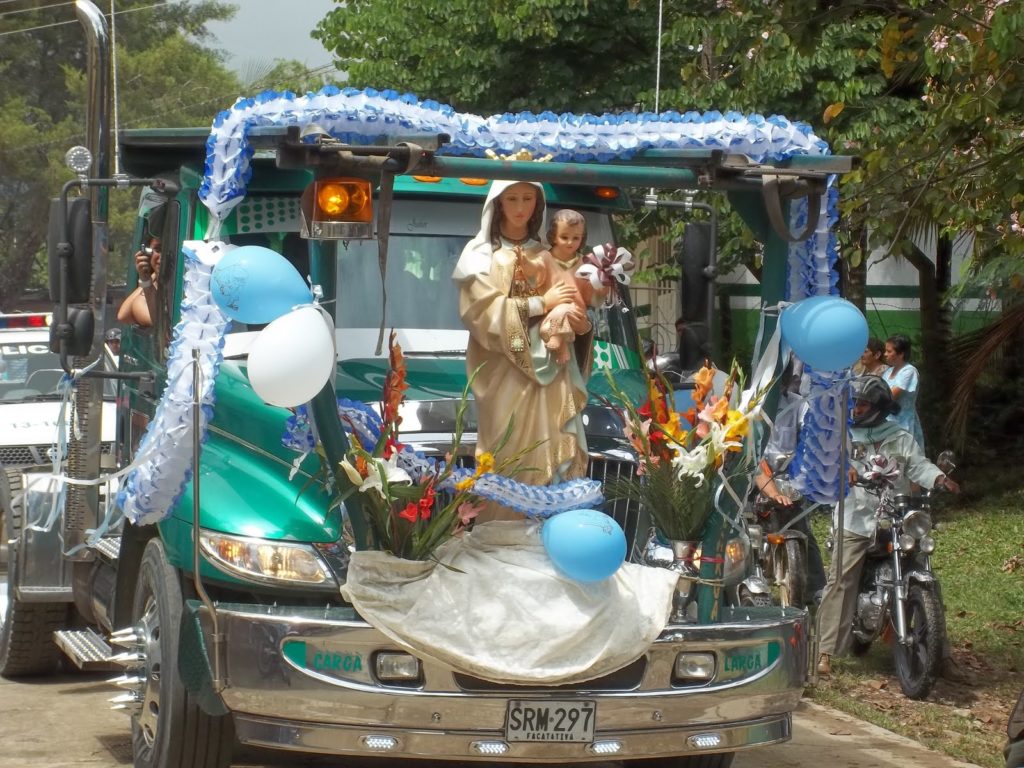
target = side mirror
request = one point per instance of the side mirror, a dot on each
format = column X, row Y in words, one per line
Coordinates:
column 77, row 331
column 74, row 233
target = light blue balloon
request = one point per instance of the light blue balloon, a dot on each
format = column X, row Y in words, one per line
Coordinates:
column 256, row 285
column 826, row 332
column 584, row 544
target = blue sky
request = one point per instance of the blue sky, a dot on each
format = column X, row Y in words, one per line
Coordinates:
column 265, row 30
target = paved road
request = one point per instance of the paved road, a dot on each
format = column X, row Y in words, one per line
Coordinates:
column 65, row 721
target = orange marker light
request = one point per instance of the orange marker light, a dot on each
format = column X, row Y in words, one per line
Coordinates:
column 606, row 193
column 338, row 209
column 344, row 199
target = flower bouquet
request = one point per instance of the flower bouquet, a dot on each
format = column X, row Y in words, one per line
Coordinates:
column 412, row 503
column 678, row 454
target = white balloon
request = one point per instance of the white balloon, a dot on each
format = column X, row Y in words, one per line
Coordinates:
column 292, row 358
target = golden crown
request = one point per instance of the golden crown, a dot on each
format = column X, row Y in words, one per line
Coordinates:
column 523, row 155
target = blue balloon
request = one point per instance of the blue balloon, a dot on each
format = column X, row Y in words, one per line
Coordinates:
column 584, row 544
column 826, row 332
column 256, row 285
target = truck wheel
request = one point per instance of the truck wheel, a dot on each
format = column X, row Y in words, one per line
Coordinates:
column 26, row 629
column 721, row 760
column 170, row 730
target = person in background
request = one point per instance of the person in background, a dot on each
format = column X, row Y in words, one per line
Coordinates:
column 113, row 341
column 140, row 306
column 904, row 381
column 872, row 361
column 874, row 434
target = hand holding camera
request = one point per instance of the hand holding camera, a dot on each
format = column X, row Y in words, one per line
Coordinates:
column 146, row 262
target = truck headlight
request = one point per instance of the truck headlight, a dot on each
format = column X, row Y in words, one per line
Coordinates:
column 272, row 562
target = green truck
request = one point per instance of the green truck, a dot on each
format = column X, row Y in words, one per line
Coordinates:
column 260, row 650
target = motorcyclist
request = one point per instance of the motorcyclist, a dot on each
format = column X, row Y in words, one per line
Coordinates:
column 870, row 435
column 778, row 454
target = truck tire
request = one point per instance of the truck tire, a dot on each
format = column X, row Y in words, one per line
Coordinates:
column 170, row 730
column 26, row 629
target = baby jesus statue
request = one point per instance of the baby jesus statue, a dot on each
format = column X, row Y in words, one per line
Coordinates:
column 566, row 235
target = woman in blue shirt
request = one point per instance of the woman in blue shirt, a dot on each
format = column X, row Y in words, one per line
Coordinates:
column 904, row 381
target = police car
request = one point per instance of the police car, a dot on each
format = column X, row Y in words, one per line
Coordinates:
column 30, row 400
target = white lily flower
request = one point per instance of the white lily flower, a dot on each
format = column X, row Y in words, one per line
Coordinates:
column 389, row 470
column 718, row 442
column 352, row 472
column 692, row 463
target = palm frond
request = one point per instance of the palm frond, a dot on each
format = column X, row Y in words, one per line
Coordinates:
column 971, row 354
column 677, row 506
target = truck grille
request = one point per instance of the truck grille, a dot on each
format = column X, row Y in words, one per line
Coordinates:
column 626, row 513
column 33, row 455
column 626, row 679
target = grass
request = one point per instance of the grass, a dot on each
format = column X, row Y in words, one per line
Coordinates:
column 979, row 560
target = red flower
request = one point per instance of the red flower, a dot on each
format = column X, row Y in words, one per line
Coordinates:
column 410, row 513
column 427, row 501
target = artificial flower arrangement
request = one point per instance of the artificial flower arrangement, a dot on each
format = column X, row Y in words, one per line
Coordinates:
column 412, row 504
column 678, row 454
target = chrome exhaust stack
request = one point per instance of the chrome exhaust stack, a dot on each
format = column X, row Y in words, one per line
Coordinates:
column 82, row 509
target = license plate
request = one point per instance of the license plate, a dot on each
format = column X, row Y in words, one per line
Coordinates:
column 550, row 720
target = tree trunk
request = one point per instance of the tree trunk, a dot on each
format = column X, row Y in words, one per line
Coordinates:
column 933, row 279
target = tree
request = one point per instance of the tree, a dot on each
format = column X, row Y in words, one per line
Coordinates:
column 165, row 77
column 499, row 55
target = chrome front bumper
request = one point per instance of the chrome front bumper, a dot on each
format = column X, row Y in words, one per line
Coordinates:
column 303, row 679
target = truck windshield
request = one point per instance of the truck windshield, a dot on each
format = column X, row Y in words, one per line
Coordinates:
column 426, row 241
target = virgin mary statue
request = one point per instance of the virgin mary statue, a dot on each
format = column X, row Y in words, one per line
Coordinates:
column 520, row 384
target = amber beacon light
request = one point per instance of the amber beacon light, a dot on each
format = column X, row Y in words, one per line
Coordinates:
column 338, row 209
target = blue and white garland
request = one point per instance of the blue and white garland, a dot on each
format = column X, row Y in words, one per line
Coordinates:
column 367, row 116
column 154, row 487
column 364, row 117
column 812, row 272
column 534, row 501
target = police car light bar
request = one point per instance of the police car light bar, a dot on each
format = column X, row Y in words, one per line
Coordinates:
column 41, row 320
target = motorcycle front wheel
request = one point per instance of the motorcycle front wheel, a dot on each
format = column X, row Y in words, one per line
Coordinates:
column 919, row 660
column 789, row 573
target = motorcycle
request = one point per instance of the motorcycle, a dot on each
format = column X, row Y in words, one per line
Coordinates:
column 898, row 588
column 783, row 548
